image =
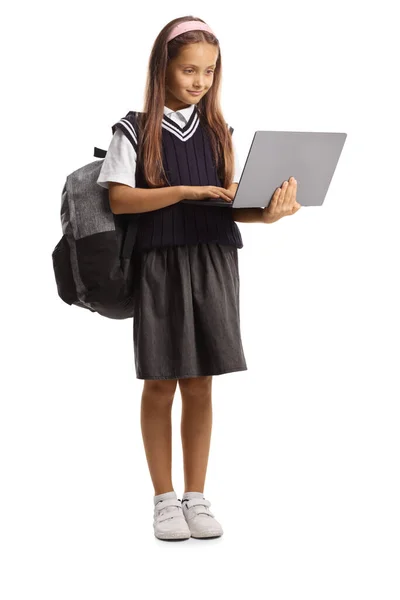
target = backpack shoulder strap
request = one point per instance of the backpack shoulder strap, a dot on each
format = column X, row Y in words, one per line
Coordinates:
column 129, row 127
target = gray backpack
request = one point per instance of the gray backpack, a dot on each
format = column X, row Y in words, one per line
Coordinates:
column 92, row 262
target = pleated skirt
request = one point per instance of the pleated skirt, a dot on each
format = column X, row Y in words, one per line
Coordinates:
column 186, row 319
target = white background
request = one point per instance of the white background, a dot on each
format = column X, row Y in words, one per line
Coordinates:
column 304, row 464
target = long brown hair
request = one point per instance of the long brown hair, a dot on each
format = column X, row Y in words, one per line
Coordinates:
column 210, row 113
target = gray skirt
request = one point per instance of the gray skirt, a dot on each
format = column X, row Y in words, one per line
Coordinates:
column 186, row 319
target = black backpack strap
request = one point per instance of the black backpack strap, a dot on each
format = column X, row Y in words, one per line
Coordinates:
column 128, row 125
column 130, row 236
column 99, row 153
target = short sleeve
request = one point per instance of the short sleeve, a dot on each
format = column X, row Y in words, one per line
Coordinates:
column 119, row 164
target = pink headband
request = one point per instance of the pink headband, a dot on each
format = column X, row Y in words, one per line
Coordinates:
column 188, row 26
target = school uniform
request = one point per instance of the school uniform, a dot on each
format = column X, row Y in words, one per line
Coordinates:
column 186, row 306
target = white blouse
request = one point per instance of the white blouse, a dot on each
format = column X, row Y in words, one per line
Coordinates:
column 119, row 164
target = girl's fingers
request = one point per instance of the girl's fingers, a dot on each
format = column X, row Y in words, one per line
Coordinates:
column 283, row 194
column 294, row 190
column 275, row 197
column 290, row 192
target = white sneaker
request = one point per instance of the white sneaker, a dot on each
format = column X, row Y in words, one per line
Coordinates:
column 169, row 522
column 200, row 519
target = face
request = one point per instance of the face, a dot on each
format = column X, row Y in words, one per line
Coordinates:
column 193, row 69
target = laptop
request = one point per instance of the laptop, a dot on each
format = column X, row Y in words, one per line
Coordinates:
column 275, row 156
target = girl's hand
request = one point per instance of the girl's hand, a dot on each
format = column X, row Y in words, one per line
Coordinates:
column 283, row 202
column 205, row 192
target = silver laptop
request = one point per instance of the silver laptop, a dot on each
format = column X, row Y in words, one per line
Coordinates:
column 275, row 156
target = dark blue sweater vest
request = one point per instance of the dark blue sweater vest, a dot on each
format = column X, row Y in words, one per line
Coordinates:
column 188, row 160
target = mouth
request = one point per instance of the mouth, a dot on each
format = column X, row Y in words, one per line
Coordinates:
column 195, row 91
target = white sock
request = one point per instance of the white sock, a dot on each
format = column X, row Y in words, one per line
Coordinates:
column 189, row 495
column 164, row 496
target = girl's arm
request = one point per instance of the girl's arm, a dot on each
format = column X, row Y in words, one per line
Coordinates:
column 125, row 199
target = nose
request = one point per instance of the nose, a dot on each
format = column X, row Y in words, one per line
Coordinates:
column 199, row 83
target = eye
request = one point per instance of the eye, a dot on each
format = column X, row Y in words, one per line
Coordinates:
column 191, row 71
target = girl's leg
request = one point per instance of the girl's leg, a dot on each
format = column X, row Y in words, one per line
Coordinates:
column 157, row 399
column 196, row 426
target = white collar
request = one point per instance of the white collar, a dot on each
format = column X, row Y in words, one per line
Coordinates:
column 185, row 112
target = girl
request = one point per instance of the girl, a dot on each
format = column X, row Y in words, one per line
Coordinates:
column 167, row 164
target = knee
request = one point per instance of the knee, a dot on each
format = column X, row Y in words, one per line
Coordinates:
column 195, row 386
column 160, row 389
